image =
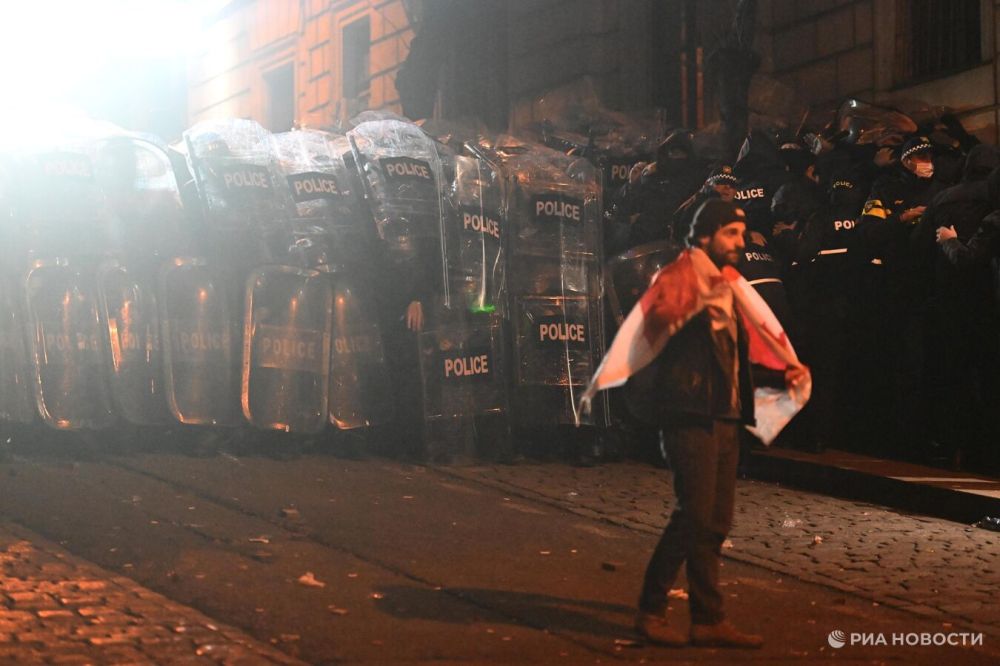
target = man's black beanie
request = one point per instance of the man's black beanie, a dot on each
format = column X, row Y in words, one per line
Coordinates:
column 712, row 216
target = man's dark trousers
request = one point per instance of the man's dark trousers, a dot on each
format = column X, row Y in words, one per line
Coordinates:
column 704, row 459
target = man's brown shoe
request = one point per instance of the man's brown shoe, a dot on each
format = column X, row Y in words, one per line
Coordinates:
column 655, row 629
column 723, row 635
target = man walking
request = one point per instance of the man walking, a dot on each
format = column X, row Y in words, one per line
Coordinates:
column 701, row 396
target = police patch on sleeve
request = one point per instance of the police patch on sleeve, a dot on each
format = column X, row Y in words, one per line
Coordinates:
column 874, row 208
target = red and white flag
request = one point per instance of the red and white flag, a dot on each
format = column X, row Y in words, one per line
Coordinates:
column 677, row 293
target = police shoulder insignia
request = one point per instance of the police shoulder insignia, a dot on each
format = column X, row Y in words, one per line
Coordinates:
column 874, row 207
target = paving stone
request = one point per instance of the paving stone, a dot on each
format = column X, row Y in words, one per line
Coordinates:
column 865, row 547
column 63, row 610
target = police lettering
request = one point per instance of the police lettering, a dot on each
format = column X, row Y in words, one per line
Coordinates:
column 481, row 223
column 203, row 341
column 289, row 348
column 561, row 332
column 315, row 185
column 619, row 172
column 65, row 342
column 843, row 224
column 246, row 178
column 413, row 169
column 759, row 256
column 752, row 193
column 352, row 344
column 468, row 366
column 550, row 208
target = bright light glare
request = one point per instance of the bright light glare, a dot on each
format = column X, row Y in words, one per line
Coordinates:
column 49, row 50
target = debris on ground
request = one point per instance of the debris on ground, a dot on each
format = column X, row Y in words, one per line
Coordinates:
column 309, row 580
column 677, row 594
column 263, row 538
column 727, row 544
column 989, row 523
column 290, row 512
column 612, row 566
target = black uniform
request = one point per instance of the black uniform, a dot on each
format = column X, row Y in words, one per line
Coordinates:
column 896, row 299
column 829, row 264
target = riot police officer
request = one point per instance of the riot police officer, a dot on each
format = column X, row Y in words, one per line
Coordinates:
column 890, row 216
column 649, row 201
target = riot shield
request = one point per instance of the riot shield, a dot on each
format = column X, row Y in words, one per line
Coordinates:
column 627, row 275
column 244, row 200
column 66, row 341
column 401, row 172
column 15, row 377
column 475, row 237
column 60, row 230
column 462, row 369
column 135, row 359
column 286, row 353
column 555, row 287
column 247, row 216
column 148, row 227
column 197, row 340
column 332, row 236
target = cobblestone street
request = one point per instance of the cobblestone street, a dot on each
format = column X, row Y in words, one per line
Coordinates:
column 58, row 609
column 904, row 561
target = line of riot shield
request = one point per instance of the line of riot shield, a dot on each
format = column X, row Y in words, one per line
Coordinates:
column 332, row 237
column 555, row 287
column 60, row 232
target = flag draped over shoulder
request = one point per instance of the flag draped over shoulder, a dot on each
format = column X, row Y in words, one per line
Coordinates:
column 677, row 293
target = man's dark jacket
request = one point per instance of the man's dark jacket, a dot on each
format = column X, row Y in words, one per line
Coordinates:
column 681, row 387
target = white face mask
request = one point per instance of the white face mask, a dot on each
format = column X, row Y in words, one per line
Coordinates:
column 924, row 169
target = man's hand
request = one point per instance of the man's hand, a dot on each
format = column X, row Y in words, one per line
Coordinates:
column 945, row 234
column 781, row 227
column 795, row 375
column 415, row 316
column 911, row 214
column 883, row 156
column 635, row 173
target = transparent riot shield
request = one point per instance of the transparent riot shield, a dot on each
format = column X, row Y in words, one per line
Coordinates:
column 148, row 227
column 401, row 172
column 286, row 351
column 61, row 230
column 627, row 275
column 135, row 359
column 333, row 236
column 555, row 286
column 246, row 213
column 66, row 338
column 15, row 376
column 244, row 199
column 475, row 237
column 462, row 369
column 197, row 340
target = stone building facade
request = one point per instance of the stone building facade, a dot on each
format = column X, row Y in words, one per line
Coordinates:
column 303, row 62
column 281, row 61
